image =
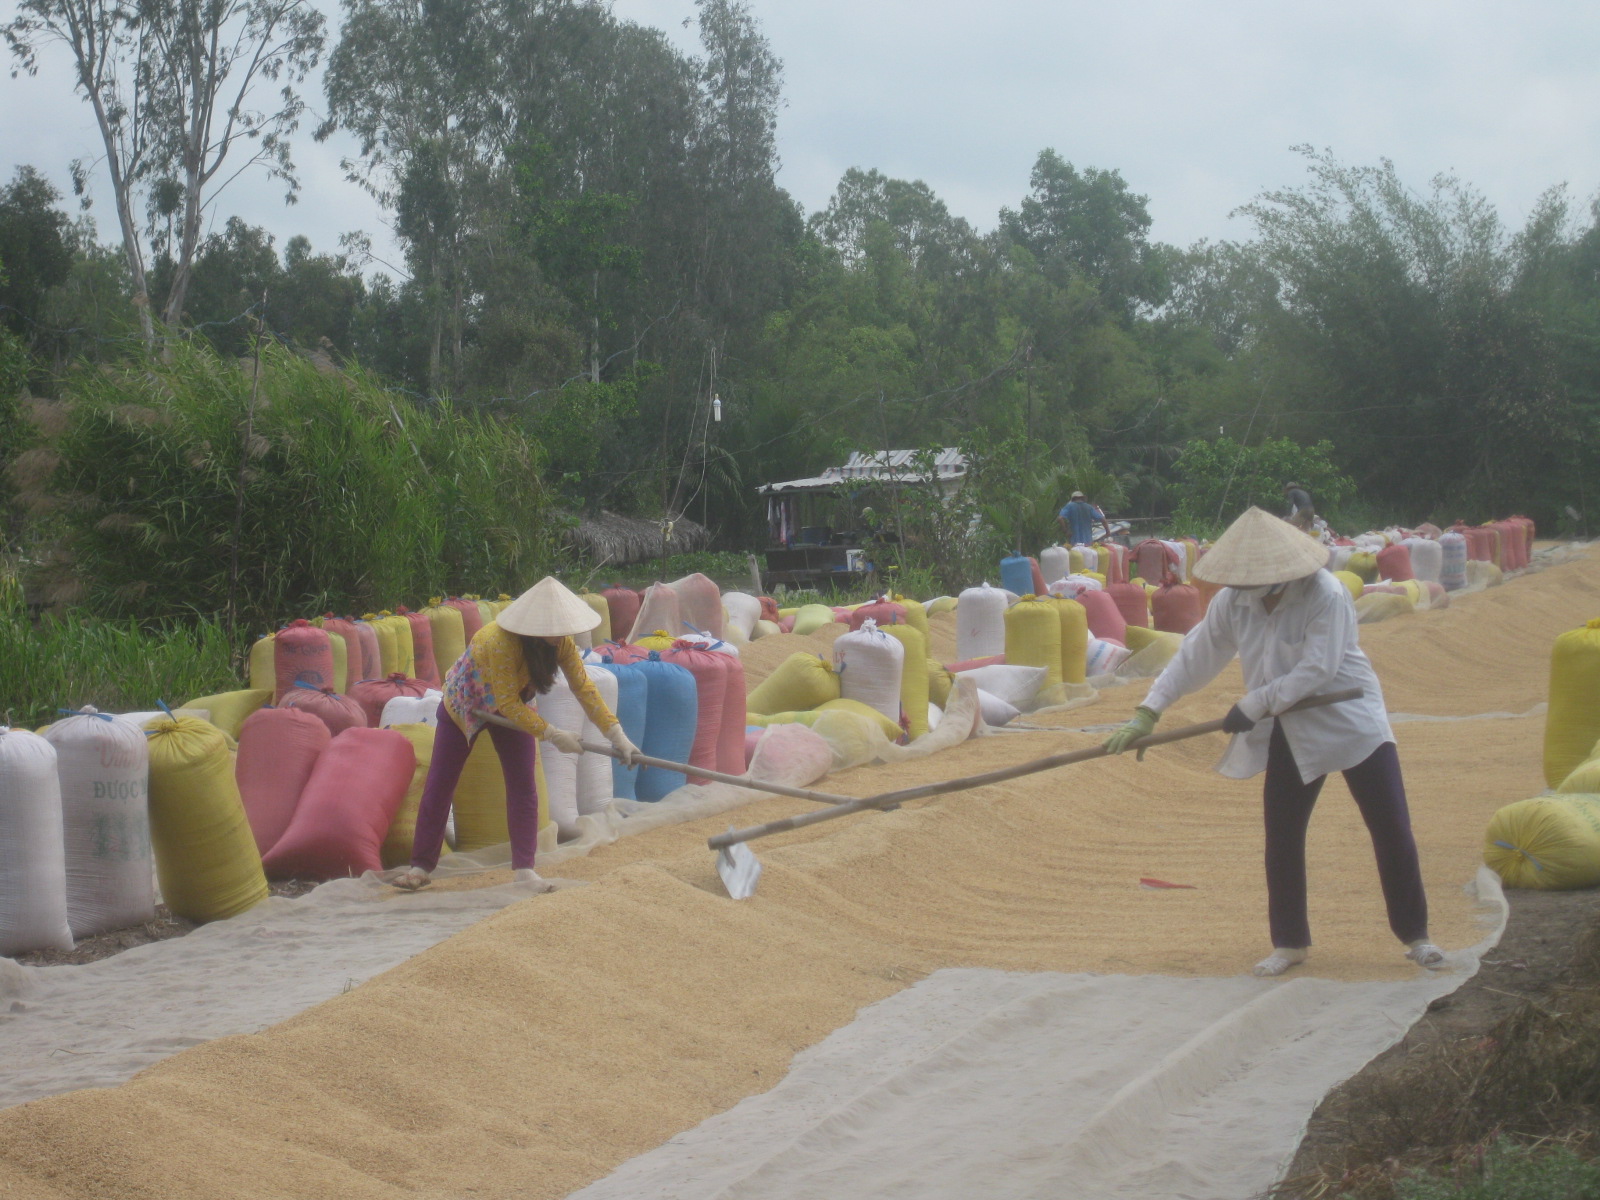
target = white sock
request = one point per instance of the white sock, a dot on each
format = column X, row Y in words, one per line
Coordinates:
column 527, row 875
column 1279, row 961
column 1425, row 954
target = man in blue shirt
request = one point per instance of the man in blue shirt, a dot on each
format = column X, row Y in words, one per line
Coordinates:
column 1078, row 517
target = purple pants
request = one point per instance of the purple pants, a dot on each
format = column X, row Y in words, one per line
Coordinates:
column 1380, row 794
column 517, row 752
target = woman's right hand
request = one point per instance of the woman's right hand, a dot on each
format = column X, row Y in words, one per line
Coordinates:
column 563, row 741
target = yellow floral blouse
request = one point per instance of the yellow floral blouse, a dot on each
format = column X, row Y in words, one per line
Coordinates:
column 493, row 675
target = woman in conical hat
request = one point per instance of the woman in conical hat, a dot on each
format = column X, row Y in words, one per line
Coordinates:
column 510, row 661
column 1294, row 629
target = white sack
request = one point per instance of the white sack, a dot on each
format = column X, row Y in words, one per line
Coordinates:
column 33, row 868
column 103, row 764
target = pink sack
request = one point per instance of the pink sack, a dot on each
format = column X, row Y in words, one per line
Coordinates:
column 1132, row 602
column 711, row 690
column 422, row 645
column 471, row 616
column 337, row 712
column 624, row 605
column 301, row 653
column 373, row 694
column 1394, row 563
column 355, row 658
column 346, row 808
column 1105, row 618
column 1175, row 608
column 884, row 612
column 278, row 747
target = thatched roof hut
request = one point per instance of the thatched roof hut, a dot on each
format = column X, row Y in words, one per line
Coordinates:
column 608, row 537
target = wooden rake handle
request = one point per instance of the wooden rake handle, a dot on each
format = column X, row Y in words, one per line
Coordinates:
column 645, row 760
column 890, row 799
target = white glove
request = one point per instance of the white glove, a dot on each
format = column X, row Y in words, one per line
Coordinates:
column 563, row 741
column 627, row 752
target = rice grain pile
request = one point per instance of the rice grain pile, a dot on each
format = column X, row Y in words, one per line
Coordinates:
column 534, row 1052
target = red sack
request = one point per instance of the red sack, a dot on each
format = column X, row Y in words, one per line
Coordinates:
column 1105, row 618
column 1040, row 588
column 884, row 612
column 278, row 747
column 373, row 694
column 337, row 712
column 624, row 605
column 1176, row 608
column 1394, row 563
column 422, row 647
column 301, row 653
column 345, row 810
column 769, row 609
column 355, row 655
column 711, row 689
column 1132, row 602
column 471, row 615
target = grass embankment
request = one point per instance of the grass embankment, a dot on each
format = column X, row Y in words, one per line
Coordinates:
column 1512, row 1114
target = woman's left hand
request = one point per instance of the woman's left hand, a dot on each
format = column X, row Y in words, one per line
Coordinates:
column 627, row 752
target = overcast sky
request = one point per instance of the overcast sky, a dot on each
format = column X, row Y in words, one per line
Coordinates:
column 1196, row 103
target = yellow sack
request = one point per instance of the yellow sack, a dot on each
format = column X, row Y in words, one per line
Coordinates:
column 943, row 604
column 264, row 664
column 916, row 615
column 403, row 829
column 1033, row 638
column 400, row 655
column 802, row 681
column 1585, row 776
column 812, row 617
column 341, row 662
column 1075, row 562
column 207, row 862
column 659, row 640
column 388, row 652
column 1074, row 639
column 1352, row 583
column 601, row 632
column 449, row 635
column 913, row 683
column 1486, row 573
column 1363, row 564
column 229, row 709
column 1548, row 842
column 1572, row 721
column 1139, row 636
column 1380, row 606
column 480, row 799
column 891, row 730
column 940, row 681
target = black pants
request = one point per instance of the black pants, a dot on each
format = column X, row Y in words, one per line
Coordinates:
column 1380, row 794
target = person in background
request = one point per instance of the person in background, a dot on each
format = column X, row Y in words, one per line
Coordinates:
column 510, row 661
column 1294, row 629
column 1077, row 519
column 1301, row 514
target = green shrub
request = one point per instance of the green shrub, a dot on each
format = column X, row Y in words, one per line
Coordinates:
column 1221, row 478
column 336, row 495
column 117, row 666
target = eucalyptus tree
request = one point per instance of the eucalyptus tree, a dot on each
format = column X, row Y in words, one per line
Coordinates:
column 187, row 96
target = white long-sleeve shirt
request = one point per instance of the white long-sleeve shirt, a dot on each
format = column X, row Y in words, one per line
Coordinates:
column 1304, row 647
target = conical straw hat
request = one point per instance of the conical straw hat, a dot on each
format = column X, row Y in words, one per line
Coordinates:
column 1260, row 549
column 548, row 609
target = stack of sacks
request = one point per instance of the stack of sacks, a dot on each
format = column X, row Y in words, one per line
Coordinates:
column 578, row 784
column 424, row 667
column 720, row 707
column 396, row 649
column 371, row 696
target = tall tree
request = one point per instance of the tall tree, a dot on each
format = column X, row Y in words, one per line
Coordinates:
column 176, row 87
column 35, row 248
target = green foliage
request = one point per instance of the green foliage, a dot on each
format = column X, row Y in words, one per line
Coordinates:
column 352, row 499
column 35, row 249
column 1509, row 1171
column 1219, row 479
column 73, row 659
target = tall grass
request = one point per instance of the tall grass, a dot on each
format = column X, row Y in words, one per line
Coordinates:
column 336, row 495
column 115, row 665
